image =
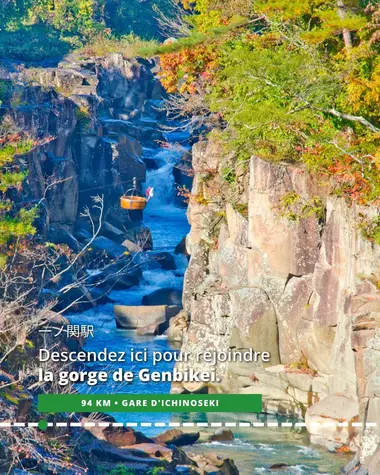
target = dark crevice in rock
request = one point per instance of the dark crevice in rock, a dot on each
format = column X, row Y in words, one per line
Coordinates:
column 290, row 277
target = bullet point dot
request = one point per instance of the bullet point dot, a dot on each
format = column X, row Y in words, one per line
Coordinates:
column 42, row 424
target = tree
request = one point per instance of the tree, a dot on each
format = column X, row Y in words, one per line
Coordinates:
column 346, row 32
column 123, row 17
column 293, row 81
column 15, row 222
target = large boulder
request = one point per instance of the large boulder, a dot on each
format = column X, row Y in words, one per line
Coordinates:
column 215, row 464
column 163, row 297
column 177, row 437
column 111, row 248
column 222, row 435
column 124, row 82
column 181, row 248
column 132, row 246
column 120, row 275
column 112, row 232
column 178, row 326
column 165, row 259
column 96, row 453
column 140, row 235
column 151, row 136
column 124, row 437
column 81, row 234
column 148, row 320
column 76, row 299
column 157, row 451
column 117, row 436
column 323, row 417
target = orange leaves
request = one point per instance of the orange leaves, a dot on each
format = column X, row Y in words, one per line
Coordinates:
column 183, row 70
column 343, row 450
column 168, row 75
column 352, row 182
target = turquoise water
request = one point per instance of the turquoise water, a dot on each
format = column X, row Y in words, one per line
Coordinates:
column 254, row 450
column 167, row 227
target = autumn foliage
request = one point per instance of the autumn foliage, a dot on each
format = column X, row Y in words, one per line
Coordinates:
column 292, row 81
column 183, row 71
column 16, row 222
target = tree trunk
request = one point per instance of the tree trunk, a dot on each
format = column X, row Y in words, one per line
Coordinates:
column 346, row 32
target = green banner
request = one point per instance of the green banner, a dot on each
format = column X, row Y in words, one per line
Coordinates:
column 150, row 403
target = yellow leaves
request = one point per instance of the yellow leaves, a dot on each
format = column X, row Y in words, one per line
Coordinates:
column 211, row 14
column 3, row 261
column 288, row 10
column 187, row 4
column 362, row 92
column 331, row 26
column 317, row 20
column 363, row 83
column 180, row 71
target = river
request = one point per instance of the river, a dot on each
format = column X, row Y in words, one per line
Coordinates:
column 254, row 450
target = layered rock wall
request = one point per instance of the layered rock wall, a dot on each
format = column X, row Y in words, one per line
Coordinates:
column 303, row 290
column 86, row 115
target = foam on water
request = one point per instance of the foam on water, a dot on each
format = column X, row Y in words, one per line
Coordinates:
column 156, row 278
column 171, row 155
column 238, row 444
column 265, row 447
column 308, row 452
column 162, row 180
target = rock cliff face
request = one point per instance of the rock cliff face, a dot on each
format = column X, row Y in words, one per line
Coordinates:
column 304, row 290
column 88, row 115
column 95, row 122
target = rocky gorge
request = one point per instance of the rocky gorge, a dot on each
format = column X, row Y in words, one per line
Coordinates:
column 303, row 289
column 95, row 122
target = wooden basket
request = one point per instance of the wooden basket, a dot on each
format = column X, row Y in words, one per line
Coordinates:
column 133, row 202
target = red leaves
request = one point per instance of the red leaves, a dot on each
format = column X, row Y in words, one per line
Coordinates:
column 353, row 183
column 181, row 71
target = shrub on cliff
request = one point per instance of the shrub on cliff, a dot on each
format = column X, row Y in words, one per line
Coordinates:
column 15, row 222
column 129, row 46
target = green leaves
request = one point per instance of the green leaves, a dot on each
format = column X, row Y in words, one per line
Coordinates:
column 9, row 180
column 15, row 222
column 20, row 226
column 265, row 100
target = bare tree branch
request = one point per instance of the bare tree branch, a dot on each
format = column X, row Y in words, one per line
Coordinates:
column 175, row 24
